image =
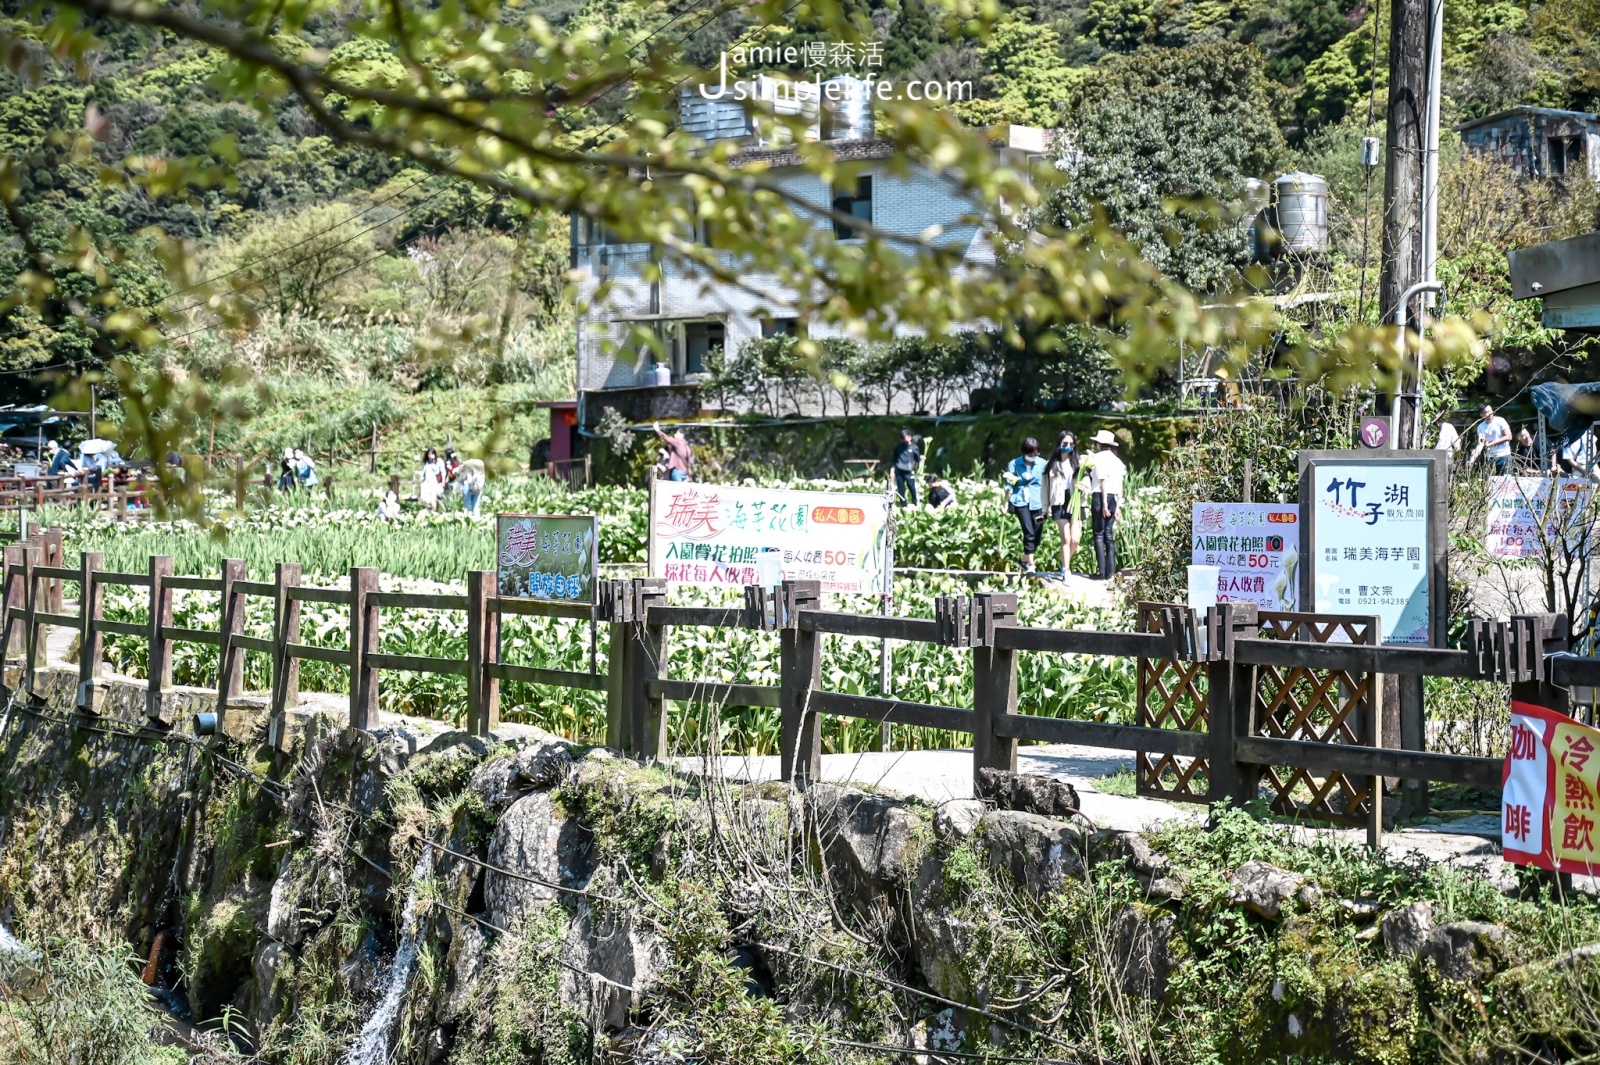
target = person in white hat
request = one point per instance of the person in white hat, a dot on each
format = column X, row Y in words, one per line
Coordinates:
column 1105, row 489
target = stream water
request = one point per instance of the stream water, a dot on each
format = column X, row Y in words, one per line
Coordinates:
column 372, row 1044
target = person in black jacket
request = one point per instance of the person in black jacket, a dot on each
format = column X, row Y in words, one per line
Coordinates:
column 904, row 462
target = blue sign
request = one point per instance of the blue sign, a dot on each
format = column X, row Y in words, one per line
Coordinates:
column 1371, row 535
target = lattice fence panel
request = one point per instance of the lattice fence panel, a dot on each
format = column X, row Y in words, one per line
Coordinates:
column 1171, row 694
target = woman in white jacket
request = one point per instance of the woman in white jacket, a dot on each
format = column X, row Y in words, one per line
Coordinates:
column 432, row 479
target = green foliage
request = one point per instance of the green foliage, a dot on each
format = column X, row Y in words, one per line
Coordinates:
column 301, row 262
column 1028, row 81
column 1167, row 141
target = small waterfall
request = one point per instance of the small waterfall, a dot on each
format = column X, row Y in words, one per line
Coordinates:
column 372, row 1045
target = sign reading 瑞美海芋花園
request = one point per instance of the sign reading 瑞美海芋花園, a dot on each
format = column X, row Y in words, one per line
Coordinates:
column 1549, row 792
column 713, row 534
column 546, row 556
column 1371, row 543
column 1538, row 517
column 1256, row 549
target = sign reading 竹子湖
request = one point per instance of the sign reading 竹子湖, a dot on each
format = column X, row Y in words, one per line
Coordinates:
column 546, row 556
column 1373, row 539
column 714, row 534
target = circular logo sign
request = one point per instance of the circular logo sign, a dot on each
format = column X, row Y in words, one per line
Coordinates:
column 1374, row 431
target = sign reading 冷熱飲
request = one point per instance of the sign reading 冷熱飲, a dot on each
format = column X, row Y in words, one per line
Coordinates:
column 1256, row 549
column 546, row 556
column 1549, row 795
column 713, row 534
column 1370, row 541
column 1537, row 517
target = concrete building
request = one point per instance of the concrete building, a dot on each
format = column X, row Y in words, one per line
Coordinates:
column 1538, row 141
column 693, row 314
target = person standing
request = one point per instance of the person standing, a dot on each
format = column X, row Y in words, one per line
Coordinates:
column 1449, row 438
column 1025, row 478
column 452, row 466
column 430, row 480
column 1494, row 440
column 1061, row 497
column 680, row 459
column 904, row 463
column 305, row 471
column 470, row 475
column 1105, row 490
column 286, row 470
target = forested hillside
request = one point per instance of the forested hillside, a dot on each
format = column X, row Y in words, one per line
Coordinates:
column 350, row 267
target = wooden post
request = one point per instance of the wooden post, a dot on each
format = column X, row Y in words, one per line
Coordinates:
column 32, row 634
column 16, row 600
column 618, row 594
column 394, row 484
column 238, row 483
column 647, row 725
column 1249, row 488
column 119, row 493
column 230, row 656
column 1231, row 701
column 160, row 682
column 994, row 684
column 364, row 628
column 55, row 556
column 483, row 649
column 286, row 630
column 372, row 455
column 800, row 664
column 91, row 642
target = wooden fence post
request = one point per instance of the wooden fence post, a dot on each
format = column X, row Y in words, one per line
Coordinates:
column 160, row 659
column 394, row 484
column 285, row 630
column 16, row 599
column 646, row 657
column 364, row 631
column 994, row 684
column 800, row 665
column 238, row 483
column 55, row 556
column 483, row 650
column 1230, row 703
column 614, row 606
column 119, row 494
column 230, row 656
column 91, row 641
column 32, row 631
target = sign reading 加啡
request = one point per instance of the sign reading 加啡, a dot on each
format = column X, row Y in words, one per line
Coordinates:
column 1549, row 797
column 1255, row 547
column 1372, row 536
column 714, row 534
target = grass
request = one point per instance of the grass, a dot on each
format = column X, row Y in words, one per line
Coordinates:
column 1123, row 782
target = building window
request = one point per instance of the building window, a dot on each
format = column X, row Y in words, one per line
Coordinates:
column 779, row 327
column 698, row 340
column 1566, row 153
column 858, row 204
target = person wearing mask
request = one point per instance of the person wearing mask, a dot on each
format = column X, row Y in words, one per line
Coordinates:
column 940, row 494
column 680, row 459
column 305, row 471
column 430, row 480
column 1061, row 496
column 1105, row 489
column 1024, row 476
column 1494, row 440
column 904, row 464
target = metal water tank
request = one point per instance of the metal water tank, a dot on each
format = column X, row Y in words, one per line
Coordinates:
column 712, row 120
column 846, row 109
column 1302, row 211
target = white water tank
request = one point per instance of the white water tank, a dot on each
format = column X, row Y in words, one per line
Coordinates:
column 846, row 109
column 788, row 100
column 713, row 120
column 1302, row 212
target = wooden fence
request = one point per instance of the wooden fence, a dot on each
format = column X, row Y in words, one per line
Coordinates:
column 129, row 501
column 1254, row 703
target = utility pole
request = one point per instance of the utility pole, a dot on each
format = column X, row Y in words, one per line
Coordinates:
column 1406, row 140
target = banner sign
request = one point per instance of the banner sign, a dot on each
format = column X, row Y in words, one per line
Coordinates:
column 1256, row 549
column 547, row 556
column 1551, row 780
column 1371, row 544
column 713, row 534
column 1529, row 517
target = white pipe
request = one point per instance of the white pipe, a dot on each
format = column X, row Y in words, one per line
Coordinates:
column 1394, row 406
column 1430, row 153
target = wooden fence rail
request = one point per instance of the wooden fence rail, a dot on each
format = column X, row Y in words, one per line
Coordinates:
column 1242, row 666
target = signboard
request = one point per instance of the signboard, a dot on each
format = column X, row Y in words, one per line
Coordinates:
column 546, row 556
column 1550, row 783
column 712, row 534
column 1534, row 517
column 1374, row 540
column 1256, row 549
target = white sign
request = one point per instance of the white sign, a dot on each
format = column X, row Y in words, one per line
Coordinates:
column 713, row 534
column 1532, row 517
column 1371, row 544
column 1256, row 549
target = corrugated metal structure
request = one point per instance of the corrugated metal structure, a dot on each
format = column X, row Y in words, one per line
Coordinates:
column 1538, row 141
column 1302, row 212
